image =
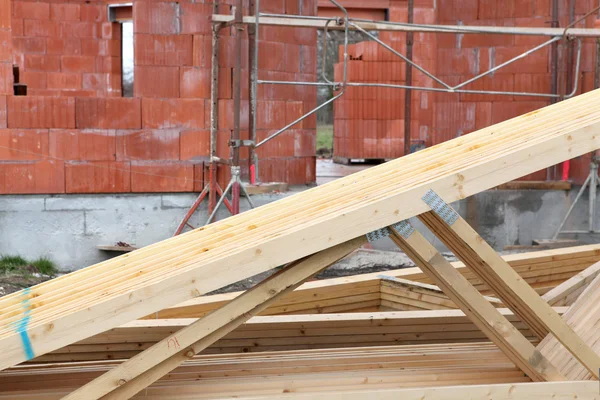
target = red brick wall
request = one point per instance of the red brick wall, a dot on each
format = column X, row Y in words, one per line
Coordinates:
column 369, row 122
column 73, row 133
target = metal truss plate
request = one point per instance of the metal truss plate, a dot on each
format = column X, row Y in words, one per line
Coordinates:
column 378, row 234
column 440, row 207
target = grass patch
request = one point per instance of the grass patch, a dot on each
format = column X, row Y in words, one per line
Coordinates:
column 19, row 265
column 324, row 138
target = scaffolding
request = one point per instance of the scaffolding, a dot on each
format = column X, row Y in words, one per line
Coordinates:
column 255, row 19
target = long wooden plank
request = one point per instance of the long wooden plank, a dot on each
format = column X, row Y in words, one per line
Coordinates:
column 514, row 391
column 476, row 253
column 498, row 329
column 584, row 317
column 142, row 370
column 304, row 370
column 79, row 305
column 563, row 294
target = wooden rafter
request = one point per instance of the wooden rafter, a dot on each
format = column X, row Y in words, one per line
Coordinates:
column 567, row 292
column 478, row 255
column 498, row 329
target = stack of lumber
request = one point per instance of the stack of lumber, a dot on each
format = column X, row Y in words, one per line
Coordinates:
column 218, row 376
column 282, row 333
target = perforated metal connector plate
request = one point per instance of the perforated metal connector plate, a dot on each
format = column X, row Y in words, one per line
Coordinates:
column 440, row 207
column 404, row 228
column 378, row 234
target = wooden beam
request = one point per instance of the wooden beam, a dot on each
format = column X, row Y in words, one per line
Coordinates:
column 147, row 367
column 505, row 391
column 567, row 292
column 382, row 26
column 478, row 255
column 535, row 185
column 73, row 307
column 498, row 329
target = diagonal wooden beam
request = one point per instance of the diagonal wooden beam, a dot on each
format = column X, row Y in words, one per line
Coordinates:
column 515, row 292
column 421, row 295
column 568, row 291
column 485, row 316
column 145, row 368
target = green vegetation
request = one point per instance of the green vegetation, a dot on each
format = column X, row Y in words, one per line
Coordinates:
column 324, row 140
column 19, row 265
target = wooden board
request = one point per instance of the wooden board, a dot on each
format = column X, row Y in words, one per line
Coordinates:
column 302, row 371
column 79, row 305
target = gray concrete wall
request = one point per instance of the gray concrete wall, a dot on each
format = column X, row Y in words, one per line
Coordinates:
column 67, row 228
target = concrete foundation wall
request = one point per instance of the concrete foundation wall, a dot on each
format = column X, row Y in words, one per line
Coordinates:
column 67, row 228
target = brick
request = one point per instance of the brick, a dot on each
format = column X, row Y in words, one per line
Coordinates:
column 78, row 93
column 63, row 46
column 195, row 82
column 293, row 111
column 5, row 46
column 156, row 17
column 110, row 30
column 29, row 45
column 226, row 113
column 93, row 13
column 5, row 14
column 533, row 83
column 152, row 81
column 41, row 28
column 64, row 80
column 32, row 177
column 80, row 29
column 6, row 78
column 173, row 113
column 536, row 62
column 31, row 10
column 305, row 143
column 228, row 57
column 41, row 62
column 196, row 18
column 3, row 112
column 163, row 50
column 97, row 177
column 65, row 12
column 82, row 145
column 41, row 112
column 194, row 144
column 497, row 83
column 16, row 24
column 108, row 65
column 101, row 47
column 108, row 113
column 94, row 81
column 23, row 144
column 78, row 64
column 201, row 53
column 159, row 144
column 162, row 177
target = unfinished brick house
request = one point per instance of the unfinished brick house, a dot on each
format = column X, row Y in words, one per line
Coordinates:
column 95, row 121
column 369, row 121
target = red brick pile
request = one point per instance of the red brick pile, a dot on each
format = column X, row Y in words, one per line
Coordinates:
column 74, row 133
column 370, row 124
